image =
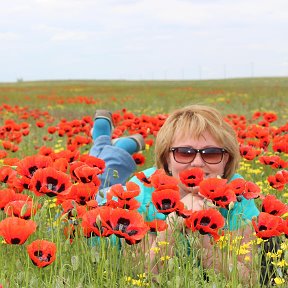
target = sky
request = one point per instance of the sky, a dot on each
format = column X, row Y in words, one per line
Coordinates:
column 142, row 39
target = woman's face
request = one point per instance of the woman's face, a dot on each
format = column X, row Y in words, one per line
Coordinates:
column 206, row 140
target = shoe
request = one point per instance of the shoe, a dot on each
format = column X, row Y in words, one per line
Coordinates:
column 104, row 114
column 136, row 137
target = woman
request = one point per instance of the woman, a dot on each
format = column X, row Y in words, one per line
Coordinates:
column 198, row 136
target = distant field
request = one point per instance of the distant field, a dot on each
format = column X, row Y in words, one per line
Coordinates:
column 152, row 97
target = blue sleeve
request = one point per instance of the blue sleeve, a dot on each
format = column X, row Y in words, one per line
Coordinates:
column 147, row 208
column 241, row 213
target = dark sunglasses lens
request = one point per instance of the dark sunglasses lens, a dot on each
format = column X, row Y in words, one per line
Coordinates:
column 212, row 155
column 184, row 155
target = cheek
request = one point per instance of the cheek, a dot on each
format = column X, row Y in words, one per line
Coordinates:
column 176, row 168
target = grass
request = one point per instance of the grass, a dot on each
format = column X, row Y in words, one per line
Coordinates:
column 81, row 264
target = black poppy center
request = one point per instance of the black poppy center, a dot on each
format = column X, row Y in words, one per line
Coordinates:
column 262, row 228
column 32, row 170
column 52, row 183
column 166, row 204
column 39, row 255
column 15, row 240
column 122, row 224
column 191, row 177
column 145, row 180
column 138, row 161
column 205, row 221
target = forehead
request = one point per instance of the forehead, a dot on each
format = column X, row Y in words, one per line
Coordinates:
column 196, row 141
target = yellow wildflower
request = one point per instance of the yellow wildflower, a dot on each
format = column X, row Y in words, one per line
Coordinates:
column 281, row 263
column 128, row 279
column 141, row 275
column 163, row 258
column 162, row 243
column 279, row 280
column 247, row 259
column 284, row 246
column 155, row 249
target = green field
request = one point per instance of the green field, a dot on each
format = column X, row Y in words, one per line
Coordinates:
column 79, row 263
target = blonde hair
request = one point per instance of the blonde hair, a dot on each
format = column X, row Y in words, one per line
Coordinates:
column 195, row 120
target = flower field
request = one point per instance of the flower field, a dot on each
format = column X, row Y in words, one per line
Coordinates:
column 53, row 233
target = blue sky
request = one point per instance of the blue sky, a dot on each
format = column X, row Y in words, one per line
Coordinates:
column 142, row 39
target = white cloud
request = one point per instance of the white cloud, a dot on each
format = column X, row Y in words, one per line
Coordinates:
column 9, row 36
column 61, row 34
column 116, row 34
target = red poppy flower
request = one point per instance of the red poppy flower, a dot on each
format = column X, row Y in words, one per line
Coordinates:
column 46, row 151
column 256, row 115
column 160, row 180
column 237, row 185
column 143, row 178
column 40, row 124
column 61, row 164
column 125, row 224
column 268, row 225
column 263, row 123
column 223, row 197
column 139, row 158
column 273, row 161
column 191, row 177
column 7, row 145
column 284, row 227
column 15, row 230
column 273, row 206
column 30, row 164
column 207, row 221
column 69, row 155
column 87, row 174
column 48, row 181
column 270, row 117
column 93, row 162
column 91, row 204
column 11, row 161
column 82, row 193
column 73, row 166
column 42, row 252
column 132, row 190
column 131, row 204
column 51, row 129
column 149, row 142
column 6, row 195
column 70, row 231
column 248, row 152
column 21, row 208
column 157, row 225
column 182, row 212
column 3, row 154
column 166, row 200
column 25, row 132
column 7, row 175
column 251, row 190
column 278, row 180
column 92, row 223
column 72, row 209
column 209, row 186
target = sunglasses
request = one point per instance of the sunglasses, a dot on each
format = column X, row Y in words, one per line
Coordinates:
column 185, row 155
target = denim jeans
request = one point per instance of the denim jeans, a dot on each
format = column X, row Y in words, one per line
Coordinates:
column 119, row 163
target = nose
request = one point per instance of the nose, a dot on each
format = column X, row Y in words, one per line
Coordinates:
column 198, row 161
